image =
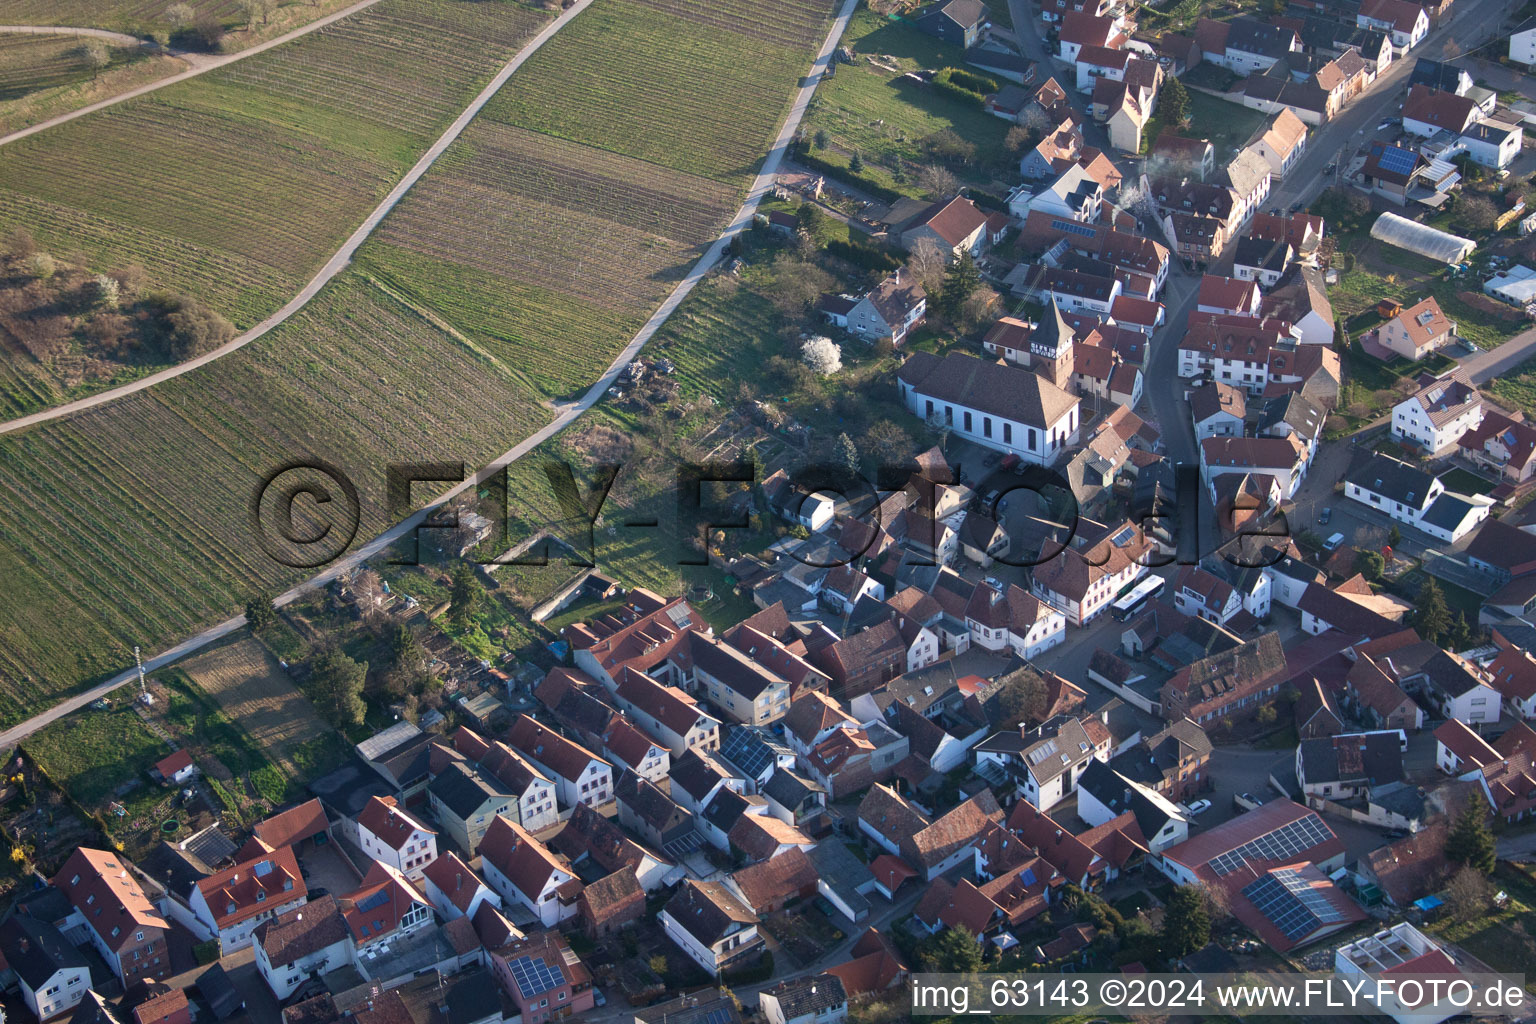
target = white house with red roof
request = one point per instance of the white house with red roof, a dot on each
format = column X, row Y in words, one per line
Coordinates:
column 386, row 906
column 1513, row 674
column 175, row 768
column 390, row 834
column 1228, row 295
column 1408, row 23
column 1080, row 29
column 123, row 925
column 454, row 888
column 580, row 776
column 955, row 224
column 231, row 903
column 524, row 870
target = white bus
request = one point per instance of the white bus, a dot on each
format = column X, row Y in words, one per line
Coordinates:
column 1134, row 600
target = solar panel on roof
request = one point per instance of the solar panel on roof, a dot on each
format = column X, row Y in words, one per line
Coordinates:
column 719, row 1015
column 1291, row 903
column 378, row 899
column 746, row 751
column 1398, row 161
column 1279, row 844
column 1073, row 227
column 534, row 976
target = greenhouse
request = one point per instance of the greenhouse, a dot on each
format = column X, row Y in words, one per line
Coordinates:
column 1422, row 239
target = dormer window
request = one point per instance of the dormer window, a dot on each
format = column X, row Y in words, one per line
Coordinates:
column 261, row 897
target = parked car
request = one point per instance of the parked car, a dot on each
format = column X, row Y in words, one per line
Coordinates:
column 1330, row 169
column 1199, row 807
column 1010, row 460
column 1333, row 543
column 1324, row 516
column 1246, row 801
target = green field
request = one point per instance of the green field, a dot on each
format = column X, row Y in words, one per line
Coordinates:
column 131, row 523
column 93, row 754
column 885, row 117
column 138, row 17
column 1516, row 388
column 236, row 186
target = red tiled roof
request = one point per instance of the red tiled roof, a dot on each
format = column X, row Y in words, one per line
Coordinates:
column 293, row 825
column 373, row 911
column 100, row 887
column 252, row 887
column 455, row 879
column 172, row 763
column 891, row 871
column 526, row 862
column 391, row 824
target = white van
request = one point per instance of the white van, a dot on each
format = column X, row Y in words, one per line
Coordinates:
column 1332, row 543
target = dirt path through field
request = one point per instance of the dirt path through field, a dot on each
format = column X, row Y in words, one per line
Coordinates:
column 115, row 38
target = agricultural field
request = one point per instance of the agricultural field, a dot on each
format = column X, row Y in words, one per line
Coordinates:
column 335, row 117
column 157, row 486
column 257, row 695
column 873, row 111
column 97, row 756
column 647, row 79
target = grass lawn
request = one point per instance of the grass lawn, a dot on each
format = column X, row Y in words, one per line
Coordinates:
column 1516, row 388
column 1410, row 279
column 884, row 117
column 1228, row 125
column 1464, row 482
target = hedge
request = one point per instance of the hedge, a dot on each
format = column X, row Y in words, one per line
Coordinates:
column 964, row 86
column 862, row 182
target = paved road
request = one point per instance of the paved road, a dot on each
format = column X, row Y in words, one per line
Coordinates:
column 1471, row 23
column 337, row 263
column 1485, row 366
column 115, row 38
column 567, row 413
column 202, row 66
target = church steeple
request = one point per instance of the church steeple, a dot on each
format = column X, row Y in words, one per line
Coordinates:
column 1050, row 347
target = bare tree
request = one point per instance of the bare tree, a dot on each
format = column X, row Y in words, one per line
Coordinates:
column 96, row 55
column 1018, row 138
column 1468, row 894
column 180, row 16
column 250, row 10
column 937, row 181
column 927, row 263
column 1036, row 119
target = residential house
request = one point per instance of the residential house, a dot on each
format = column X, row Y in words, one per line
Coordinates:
column 1418, row 330
column 1300, row 298
column 390, row 834
column 1083, row 578
column 1244, row 45
column 1491, row 143
column 1282, row 142
column 544, row 978
column 1522, row 43
column 655, row 817
column 174, row 769
column 667, row 714
column 1234, row 681
column 1283, row 459
column 123, row 925
column 1181, row 155
column 1013, row 620
column 1080, row 29
column 464, row 802
column 955, row 224
column 741, row 685
column 1218, row 410
column 580, row 776
column 1374, row 697
column 770, row 885
column 1414, row 497
column 1407, row 23
column 1437, row 417
column 523, row 870
column 1228, row 295
column 1427, row 112
column 710, row 925
column 949, row 840
column 815, row 999
column 50, row 972
column 231, row 903
column 889, row 310
column 611, row 903
column 453, row 888
column 960, row 22
column 1105, row 798
column 303, row 943
column 630, row 749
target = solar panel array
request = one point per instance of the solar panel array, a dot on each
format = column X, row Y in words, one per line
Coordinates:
column 1398, row 161
column 1293, row 905
column 1073, row 227
column 378, row 899
column 1279, row 844
column 534, row 976
column 746, row 751
column 719, row 1015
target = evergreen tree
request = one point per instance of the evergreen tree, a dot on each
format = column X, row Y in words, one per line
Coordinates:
column 336, row 687
column 464, row 601
column 960, row 280
column 1470, row 840
column 406, row 651
column 952, row 951
column 820, row 139
column 1187, row 924
column 259, row 613
column 1394, row 537
column 1173, row 103
column 1459, row 637
column 856, row 164
column 848, row 454
column 1431, row 618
